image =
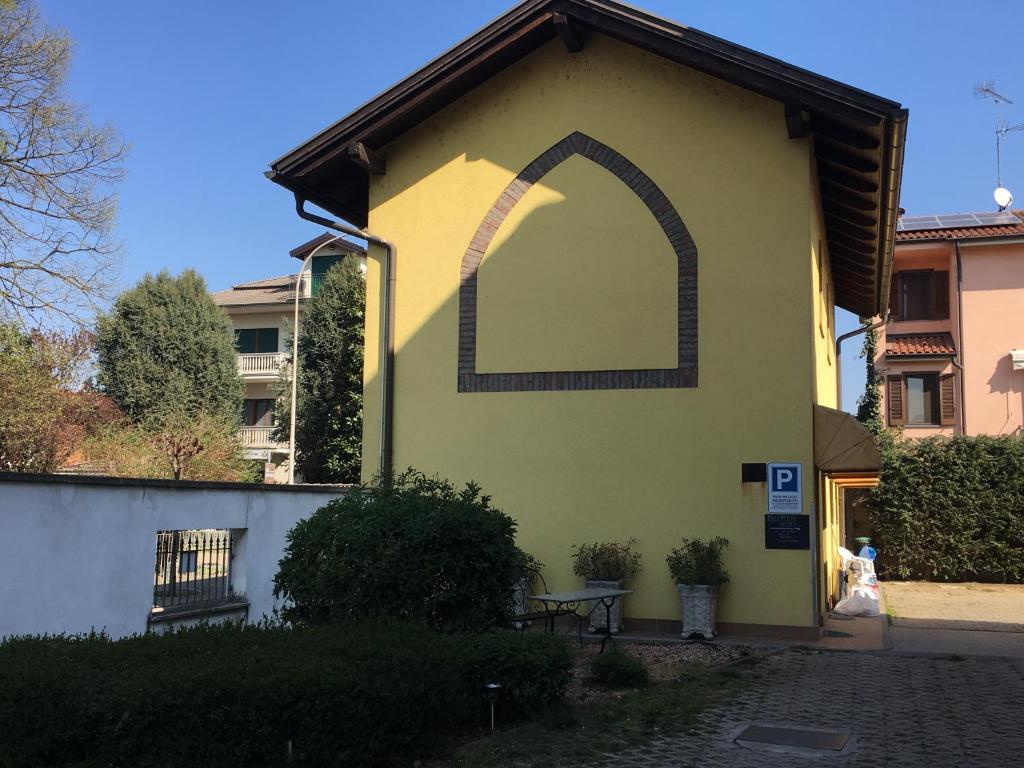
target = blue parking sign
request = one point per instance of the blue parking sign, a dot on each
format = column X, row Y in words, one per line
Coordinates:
column 785, row 482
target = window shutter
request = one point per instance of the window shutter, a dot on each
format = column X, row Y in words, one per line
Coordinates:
column 894, row 401
column 894, row 296
column 941, row 295
column 947, row 407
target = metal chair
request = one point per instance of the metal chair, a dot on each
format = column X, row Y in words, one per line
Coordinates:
column 526, row 609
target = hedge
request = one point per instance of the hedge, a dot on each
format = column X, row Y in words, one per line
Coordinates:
column 951, row 509
column 372, row 694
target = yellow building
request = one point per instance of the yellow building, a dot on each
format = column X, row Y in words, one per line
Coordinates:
column 615, row 245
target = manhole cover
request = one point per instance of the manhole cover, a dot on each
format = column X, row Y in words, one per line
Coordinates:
column 820, row 740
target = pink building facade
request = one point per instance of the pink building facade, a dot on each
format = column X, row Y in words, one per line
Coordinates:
column 946, row 358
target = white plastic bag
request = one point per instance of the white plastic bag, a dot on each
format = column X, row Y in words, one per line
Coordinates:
column 861, row 600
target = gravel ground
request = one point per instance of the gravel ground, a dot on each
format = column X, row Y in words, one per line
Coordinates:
column 664, row 660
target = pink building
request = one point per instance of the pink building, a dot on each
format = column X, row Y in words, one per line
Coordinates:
column 946, row 359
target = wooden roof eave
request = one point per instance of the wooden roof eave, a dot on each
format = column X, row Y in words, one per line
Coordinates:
column 860, row 134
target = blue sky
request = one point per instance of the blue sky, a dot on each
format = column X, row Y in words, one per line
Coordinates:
column 209, row 93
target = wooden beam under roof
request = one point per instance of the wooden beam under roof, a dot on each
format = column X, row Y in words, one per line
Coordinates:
column 567, row 32
column 366, row 158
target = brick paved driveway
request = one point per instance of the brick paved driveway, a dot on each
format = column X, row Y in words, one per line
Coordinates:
column 904, row 711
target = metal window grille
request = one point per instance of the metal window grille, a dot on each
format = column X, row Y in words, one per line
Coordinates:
column 193, row 568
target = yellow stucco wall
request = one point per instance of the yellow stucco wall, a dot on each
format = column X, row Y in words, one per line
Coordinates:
column 829, row 501
column 654, row 465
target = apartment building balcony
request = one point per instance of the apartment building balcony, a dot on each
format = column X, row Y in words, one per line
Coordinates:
column 257, row 366
column 259, row 437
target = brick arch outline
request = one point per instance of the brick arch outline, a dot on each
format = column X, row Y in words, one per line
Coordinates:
column 684, row 375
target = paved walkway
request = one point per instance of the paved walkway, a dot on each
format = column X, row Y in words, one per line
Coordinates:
column 902, row 710
column 963, row 619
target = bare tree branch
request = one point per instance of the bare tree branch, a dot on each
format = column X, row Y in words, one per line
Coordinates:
column 58, row 260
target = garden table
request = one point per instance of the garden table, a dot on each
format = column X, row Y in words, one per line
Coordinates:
column 572, row 601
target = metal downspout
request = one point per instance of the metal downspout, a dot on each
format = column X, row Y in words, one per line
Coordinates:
column 959, row 364
column 839, row 353
column 387, row 328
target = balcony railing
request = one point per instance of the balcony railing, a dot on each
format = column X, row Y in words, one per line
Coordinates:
column 260, row 363
column 258, row 437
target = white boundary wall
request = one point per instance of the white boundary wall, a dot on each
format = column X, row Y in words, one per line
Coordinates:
column 78, row 553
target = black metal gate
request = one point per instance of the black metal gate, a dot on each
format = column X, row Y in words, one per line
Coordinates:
column 193, row 568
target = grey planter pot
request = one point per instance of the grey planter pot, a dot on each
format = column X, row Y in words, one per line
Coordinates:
column 598, row 621
column 700, row 605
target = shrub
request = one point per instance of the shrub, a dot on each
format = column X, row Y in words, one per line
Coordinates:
column 533, row 669
column 950, row 509
column 618, row 669
column 611, row 561
column 374, row 694
column 415, row 549
column 697, row 561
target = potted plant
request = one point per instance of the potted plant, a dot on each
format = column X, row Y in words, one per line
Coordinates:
column 606, row 566
column 697, row 567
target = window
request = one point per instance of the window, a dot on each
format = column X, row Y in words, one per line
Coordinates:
column 922, row 398
column 920, row 294
column 917, row 295
column 258, row 413
column 253, row 340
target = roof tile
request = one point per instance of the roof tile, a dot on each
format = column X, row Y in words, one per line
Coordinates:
column 965, row 233
column 920, row 344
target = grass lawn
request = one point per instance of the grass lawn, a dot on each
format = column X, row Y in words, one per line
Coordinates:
column 582, row 731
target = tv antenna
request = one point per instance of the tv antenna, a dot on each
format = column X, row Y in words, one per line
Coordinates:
column 987, row 90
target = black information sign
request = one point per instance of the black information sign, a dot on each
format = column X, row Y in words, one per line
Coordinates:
column 787, row 532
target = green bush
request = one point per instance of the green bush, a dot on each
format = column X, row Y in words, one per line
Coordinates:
column 618, row 669
column 950, row 509
column 374, row 694
column 697, row 561
column 608, row 561
column 416, row 549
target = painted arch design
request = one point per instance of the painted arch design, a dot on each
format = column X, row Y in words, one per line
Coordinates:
column 682, row 376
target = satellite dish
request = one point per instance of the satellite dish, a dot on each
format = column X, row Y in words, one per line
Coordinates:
column 1003, row 198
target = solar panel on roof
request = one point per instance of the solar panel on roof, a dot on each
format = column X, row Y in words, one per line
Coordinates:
column 956, row 221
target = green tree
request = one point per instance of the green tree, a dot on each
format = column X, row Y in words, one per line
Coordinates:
column 47, row 412
column 165, row 349
column 869, row 404
column 57, row 201
column 329, row 417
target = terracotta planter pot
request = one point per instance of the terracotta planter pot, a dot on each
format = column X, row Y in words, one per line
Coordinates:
column 598, row 621
column 700, row 605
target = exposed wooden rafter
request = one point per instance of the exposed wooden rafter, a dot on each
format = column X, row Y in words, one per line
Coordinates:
column 567, row 32
column 796, row 121
column 366, row 158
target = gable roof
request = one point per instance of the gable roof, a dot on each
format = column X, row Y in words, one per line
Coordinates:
column 965, row 233
column 858, row 137
column 300, row 252
column 269, row 290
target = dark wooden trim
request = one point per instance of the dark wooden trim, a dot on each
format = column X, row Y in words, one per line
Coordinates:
column 796, row 122
column 364, row 157
column 682, row 376
column 567, row 32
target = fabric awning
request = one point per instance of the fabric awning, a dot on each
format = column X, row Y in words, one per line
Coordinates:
column 843, row 444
